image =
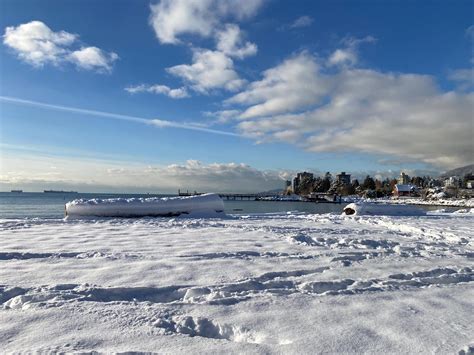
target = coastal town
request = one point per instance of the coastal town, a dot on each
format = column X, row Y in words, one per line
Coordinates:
column 309, row 186
column 454, row 188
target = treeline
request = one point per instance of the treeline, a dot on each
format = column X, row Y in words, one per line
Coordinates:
column 370, row 187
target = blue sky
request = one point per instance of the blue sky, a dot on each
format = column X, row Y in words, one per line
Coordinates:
column 245, row 92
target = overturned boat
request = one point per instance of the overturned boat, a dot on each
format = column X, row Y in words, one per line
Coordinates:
column 380, row 209
column 207, row 205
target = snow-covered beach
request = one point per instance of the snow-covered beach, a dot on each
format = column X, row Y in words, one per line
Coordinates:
column 262, row 283
column 236, row 177
column 440, row 202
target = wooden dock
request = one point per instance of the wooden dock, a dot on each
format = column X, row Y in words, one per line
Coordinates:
column 247, row 197
column 324, row 197
column 315, row 197
column 231, row 196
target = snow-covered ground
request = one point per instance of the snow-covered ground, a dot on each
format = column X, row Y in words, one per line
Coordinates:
column 448, row 202
column 454, row 202
column 273, row 283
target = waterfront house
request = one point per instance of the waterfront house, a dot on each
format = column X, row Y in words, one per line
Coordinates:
column 403, row 190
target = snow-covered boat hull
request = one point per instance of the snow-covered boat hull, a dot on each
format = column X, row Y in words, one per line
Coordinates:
column 207, row 204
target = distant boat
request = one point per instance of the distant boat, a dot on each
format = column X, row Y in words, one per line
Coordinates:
column 18, row 191
column 59, row 192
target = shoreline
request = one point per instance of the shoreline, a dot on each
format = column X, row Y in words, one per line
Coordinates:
column 427, row 203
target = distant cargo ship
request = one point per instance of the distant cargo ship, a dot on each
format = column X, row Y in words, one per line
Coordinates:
column 16, row 191
column 59, row 192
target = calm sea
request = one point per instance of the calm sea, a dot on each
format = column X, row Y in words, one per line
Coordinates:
column 51, row 205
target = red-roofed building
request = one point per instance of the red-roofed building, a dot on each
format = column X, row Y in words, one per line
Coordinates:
column 400, row 190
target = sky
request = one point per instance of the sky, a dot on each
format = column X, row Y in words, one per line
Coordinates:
column 224, row 95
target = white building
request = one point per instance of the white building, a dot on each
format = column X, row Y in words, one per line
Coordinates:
column 452, row 182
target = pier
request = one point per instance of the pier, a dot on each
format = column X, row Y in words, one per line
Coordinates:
column 314, row 197
column 248, row 197
column 231, row 196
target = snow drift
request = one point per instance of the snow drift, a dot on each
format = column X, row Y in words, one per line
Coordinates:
column 203, row 205
column 382, row 210
column 278, row 283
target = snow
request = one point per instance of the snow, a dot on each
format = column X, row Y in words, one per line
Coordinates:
column 206, row 205
column 262, row 283
column 404, row 188
column 376, row 209
column 437, row 199
column 453, row 202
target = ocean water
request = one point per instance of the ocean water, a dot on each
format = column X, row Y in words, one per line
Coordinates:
column 51, row 205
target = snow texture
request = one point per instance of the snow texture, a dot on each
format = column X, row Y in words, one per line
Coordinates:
column 376, row 209
column 264, row 283
column 207, row 205
column 437, row 199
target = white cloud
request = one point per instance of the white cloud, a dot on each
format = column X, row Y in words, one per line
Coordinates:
column 172, row 18
column 33, row 172
column 178, row 93
column 219, row 176
column 303, row 21
column 355, row 110
column 230, row 41
column 210, row 70
column 349, row 54
column 36, row 44
column 341, row 56
column 93, row 58
column 223, row 116
column 293, row 84
column 464, row 77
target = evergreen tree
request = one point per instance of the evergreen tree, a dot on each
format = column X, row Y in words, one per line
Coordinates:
column 327, row 181
column 369, row 183
column 355, row 184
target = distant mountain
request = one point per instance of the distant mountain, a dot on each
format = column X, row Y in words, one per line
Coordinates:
column 468, row 169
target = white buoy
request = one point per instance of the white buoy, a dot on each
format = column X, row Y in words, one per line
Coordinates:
column 379, row 209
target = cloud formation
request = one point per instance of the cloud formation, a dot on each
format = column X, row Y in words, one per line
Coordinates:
column 31, row 173
column 36, row 44
column 209, row 70
column 173, row 18
column 348, row 55
column 178, row 93
column 230, row 42
column 93, row 58
column 223, row 116
column 357, row 110
column 292, row 85
column 463, row 77
column 303, row 21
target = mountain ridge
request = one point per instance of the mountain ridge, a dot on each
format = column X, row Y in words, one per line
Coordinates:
column 461, row 171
